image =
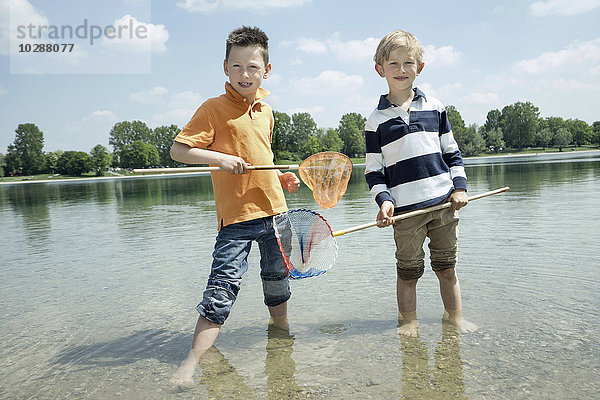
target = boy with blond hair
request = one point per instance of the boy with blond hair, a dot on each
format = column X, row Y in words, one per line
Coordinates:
column 234, row 131
column 412, row 162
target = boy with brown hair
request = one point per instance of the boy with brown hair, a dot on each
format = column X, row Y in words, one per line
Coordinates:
column 234, row 131
column 412, row 162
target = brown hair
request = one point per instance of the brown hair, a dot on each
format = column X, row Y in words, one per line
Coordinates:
column 246, row 37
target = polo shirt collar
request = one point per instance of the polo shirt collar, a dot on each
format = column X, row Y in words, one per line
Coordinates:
column 385, row 103
column 233, row 94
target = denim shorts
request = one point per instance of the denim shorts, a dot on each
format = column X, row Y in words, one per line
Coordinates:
column 230, row 256
column 441, row 227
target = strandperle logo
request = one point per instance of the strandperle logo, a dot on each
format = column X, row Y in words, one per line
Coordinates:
column 83, row 31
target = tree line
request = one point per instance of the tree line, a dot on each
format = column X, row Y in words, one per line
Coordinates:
column 295, row 137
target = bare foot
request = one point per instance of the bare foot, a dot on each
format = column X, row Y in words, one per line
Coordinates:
column 409, row 329
column 456, row 319
column 280, row 322
column 184, row 374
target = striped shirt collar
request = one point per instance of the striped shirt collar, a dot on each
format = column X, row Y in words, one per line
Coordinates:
column 385, row 103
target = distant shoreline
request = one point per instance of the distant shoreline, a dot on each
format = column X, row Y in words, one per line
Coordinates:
column 530, row 157
column 469, row 161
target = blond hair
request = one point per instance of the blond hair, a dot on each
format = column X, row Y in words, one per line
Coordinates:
column 395, row 40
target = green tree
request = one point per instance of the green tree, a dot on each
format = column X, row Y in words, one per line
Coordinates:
column 25, row 153
column 469, row 141
column 596, row 133
column 281, row 143
column 163, row 140
column 456, row 121
column 562, row 138
column 52, row 160
column 543, row 137
column 493, row 139
column 100, row 159
column 125, row 133
column 74, row 163
column 580, row 130
column 519, row 123
column 310, row 146
column 352, row 132
column 330, row 140
column 2, row 165
column 139, row 155
column 492, row 121
column 303, row 128
column 552, row 123
column 12, row 162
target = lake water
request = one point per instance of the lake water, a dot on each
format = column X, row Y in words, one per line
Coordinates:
column 100, row 280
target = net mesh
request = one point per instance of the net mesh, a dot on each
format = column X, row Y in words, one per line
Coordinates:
column 306, row 242
column 327, row 175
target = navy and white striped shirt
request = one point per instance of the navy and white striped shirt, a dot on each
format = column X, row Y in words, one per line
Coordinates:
column 412, row 158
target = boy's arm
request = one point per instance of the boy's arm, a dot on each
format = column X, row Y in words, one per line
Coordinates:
column 289, row 181
column 190, row 155
column 374, row 168
column 451, row 153
column 376, row 179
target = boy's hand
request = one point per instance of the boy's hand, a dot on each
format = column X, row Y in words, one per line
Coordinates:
column 233, row 164
column 385, row 214
column 458, row 198
column 289, row 181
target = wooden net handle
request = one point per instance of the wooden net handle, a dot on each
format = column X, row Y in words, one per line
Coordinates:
column 207, row 169
column 418, row 212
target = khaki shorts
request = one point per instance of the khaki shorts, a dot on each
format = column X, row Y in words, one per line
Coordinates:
column 442, row 229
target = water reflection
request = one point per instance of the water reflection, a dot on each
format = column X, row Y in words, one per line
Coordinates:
column 532, row 177
column 223, row 382
column 280, row 367
column 443, row 381
column 221, row 379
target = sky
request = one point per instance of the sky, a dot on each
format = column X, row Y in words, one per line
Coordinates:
column 157, row 61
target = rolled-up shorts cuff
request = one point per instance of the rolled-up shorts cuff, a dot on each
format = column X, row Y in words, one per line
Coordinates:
column 411, row 273
column 276, row 292
column 217, row 300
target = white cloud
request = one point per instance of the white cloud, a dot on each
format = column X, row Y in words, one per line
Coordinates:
column 446, row 93
column 316, row 110
column 3, row 91
column 481, row 98
column 153, row 96
column 571, row 84
column 353, row 49
column 132, row 35
column 14, row 13
column 274, row 79
column 563, row 7
column 328, row 82
column 311, row 46
column 441, row 56
column 583, row 54
column 180, row 108
column 205, row 6
column 100, row 115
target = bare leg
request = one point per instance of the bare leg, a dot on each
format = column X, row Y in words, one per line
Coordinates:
column 406, row 292
column 279, row 316
column 204, row 337
column 450, row 291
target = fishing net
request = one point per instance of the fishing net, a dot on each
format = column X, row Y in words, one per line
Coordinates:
column 306, row 242
column 327, row 175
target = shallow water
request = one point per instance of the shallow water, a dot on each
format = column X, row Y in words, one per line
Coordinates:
column 100, row 280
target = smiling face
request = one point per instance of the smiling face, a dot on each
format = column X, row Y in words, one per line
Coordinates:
column 246, row 70
column 400, row 70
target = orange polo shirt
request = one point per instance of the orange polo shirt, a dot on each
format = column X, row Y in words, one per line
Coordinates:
column 228, row 124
